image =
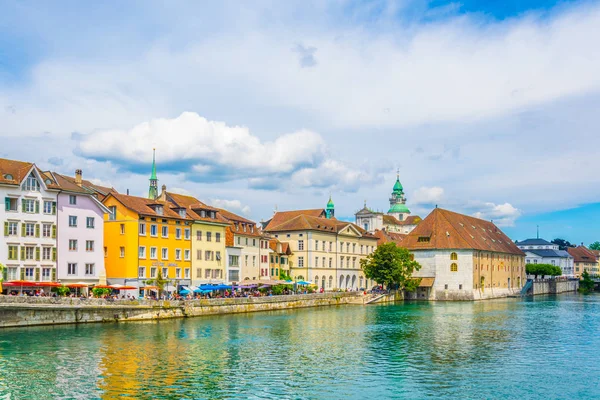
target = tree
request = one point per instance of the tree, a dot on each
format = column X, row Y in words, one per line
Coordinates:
column 391, row 266
column 586, row 284
column 100, row 292
column 159, row 282
column 595, row 246
column 562, row 243
column 2, row 267
column 543, row 269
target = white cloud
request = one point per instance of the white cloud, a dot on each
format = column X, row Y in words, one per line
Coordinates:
column 502, row 214
column 231, row 205
column 427, row 195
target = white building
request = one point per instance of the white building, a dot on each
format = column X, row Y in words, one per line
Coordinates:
column 397, row 219
column 29, row 247
column 540, row 251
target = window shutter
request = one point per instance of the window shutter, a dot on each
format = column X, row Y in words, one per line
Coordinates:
column 22, row 274
column 22, row 205
column 5, row 228
column 22, row 228
column 22, row 252
column 53, row 208
column 53, row 231
column 5, row 274
column 53, row 274
column 37, row 230
column 37, row 274
column 37, row 206
column 53, row 255
column 7, row 203
column 37, row 254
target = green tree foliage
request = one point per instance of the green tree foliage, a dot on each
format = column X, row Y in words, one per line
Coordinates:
column 391, row 266
column 61, row 290
column 2, row 268
column 586, row 284
column 284, row 276
column 159, row 282
column 543, row 270
column 100, row 292
column 595, row 246
column 563, row 244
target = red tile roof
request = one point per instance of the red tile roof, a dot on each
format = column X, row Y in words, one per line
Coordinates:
column 384, row 237
column 16, row 169
column 297, row 221
column 582, row 254
column 194, row 207
column 100, row 191
column 410, row 220
column 142, row 206
column 443, row 229
column 283, row 216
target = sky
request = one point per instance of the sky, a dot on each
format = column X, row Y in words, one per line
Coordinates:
column 488, row 108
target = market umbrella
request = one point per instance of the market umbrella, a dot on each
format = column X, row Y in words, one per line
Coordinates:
column 304, row 283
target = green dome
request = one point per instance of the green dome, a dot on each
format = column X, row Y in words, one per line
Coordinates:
column 398, row 186
column 399, row 208
column 330, row 203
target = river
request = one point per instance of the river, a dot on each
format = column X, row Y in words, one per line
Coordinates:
column 544, row 347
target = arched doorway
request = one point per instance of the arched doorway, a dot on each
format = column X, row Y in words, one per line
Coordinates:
column 360, row 280
column 323, row 282
column 330, row 281
column 353, row 286
column 347, row 281
column 482, row 283
column 341, row 281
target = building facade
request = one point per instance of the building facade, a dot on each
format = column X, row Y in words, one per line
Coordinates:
column 584, row 260
column 29, row 217
column 464, row 258
column 324, row 250
column 540, row 251
column 397, row 219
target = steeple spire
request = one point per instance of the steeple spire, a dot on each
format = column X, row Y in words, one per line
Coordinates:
column 330, row 210
column 153, row 189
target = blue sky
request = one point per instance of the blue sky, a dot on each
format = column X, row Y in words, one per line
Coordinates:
column 486, row 107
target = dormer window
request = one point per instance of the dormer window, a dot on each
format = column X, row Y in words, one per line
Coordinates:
column 213, row 215
column 158, row 209
column 182, row 213
column 8, row 177
column 31, row 184
column 244, row 227
column 48, row 182
column 251, row 228
column 202, row 213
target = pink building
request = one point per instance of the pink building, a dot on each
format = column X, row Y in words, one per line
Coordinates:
column 80, row 239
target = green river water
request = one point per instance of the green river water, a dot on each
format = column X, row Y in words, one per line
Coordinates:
column 538, row 348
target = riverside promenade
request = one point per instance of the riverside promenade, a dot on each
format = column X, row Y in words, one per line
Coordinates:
column 16, row 311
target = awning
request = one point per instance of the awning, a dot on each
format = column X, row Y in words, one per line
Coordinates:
column 30, row 284
column 426, row 282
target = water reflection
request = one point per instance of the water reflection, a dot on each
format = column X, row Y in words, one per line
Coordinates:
column 485, row 350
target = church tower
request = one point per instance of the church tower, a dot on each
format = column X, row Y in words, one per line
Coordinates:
column 398, row 207
column 330, row 210
column 153, row 190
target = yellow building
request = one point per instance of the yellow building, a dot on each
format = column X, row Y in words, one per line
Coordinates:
column 326, row 251
column 208, row 238
column 279, row 256
column 143, row 236
column 584, row 259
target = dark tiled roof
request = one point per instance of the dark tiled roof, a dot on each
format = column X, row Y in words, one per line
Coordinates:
column 443, row 229
column 548, row 253
column 534, row 242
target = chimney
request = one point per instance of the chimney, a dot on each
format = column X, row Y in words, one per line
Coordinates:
column 78, row 174
column 127, row 192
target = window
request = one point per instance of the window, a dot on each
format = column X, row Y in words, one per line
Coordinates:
column 453, row 256
column 89, row 269
column 199, row 235
column 316, row 262
column 48, row 207
column 446, row 286
column 72, row 244
column 207, row 273
column 142, row 252
column 330, row 262
column 141, row 272
column 142, row 229
column 453, row 267
column 353, row 262
column 13, row 252
column 72, row 220
column 553, row 262
column 31, row 184
column 10, row 204
column 46, row 253
column 178, row 254
column 208, row 236
column 165, row 272
column 46, row 274
column 164, row 253
column 154, row 230
column 122, row 250
column 89, row 245
column 29, row 206
column 354, row 247
column 29, row 229
column 246, row 241
column 424, row 239
column 186, row 254
column 153, row 272
column 300, row 244
column 177, row 233
column 217, row 237
column 300, row 262
column 342, row 262
column 72, row 199
column 187, row 234
column 112, row 216
column 29, row 273
column 341, row 247
column 178, row 273
column 153, row 253
column 89, row 222
column 71, row 269
column 254, row 261
column 347, row 247
column 165, row 231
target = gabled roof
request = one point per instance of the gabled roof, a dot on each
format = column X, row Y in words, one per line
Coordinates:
column 16, row 169
column 285, row 246
column 582, row 254
column 193, row 207
column 69, row 185
column 142, row 206
column 443, row 229
column 534, row 242
column 100, row 191
column 384, row 237
column 283, row 216
column 301, row 222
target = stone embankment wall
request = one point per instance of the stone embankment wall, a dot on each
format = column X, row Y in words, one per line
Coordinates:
column 27, row 311
column 554, row 286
